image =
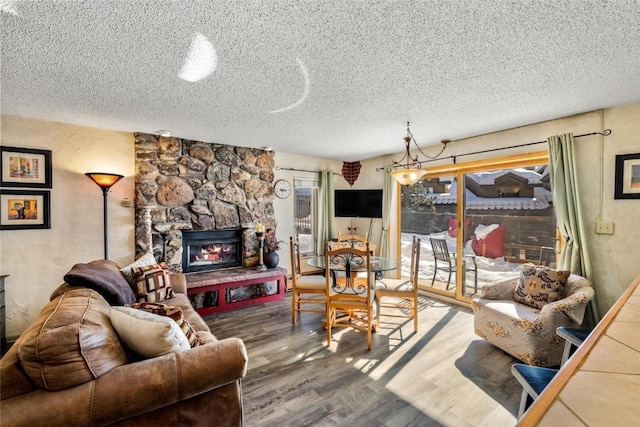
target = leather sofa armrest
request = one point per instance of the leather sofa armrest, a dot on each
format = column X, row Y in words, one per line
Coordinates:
column 133, row 389
column 178, row 283
column 140, row 387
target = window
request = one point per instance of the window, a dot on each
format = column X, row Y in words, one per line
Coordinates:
column 305, row 192
column 508, row 216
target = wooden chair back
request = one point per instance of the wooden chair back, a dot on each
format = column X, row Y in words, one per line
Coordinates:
column 294, row 248
column 355, row 241
column 415, row 263
column 351, row 295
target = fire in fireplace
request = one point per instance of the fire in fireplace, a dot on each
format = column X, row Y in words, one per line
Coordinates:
column 211, row 249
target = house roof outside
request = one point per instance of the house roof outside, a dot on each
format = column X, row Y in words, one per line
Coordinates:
column 542, row 197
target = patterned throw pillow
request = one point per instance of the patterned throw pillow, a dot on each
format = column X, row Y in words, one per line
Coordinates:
column 174, row 313
column 538, row 286
column 152, row 283
column 144, row 260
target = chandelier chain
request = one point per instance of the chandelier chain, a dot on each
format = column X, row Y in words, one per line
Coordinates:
column 420, row 150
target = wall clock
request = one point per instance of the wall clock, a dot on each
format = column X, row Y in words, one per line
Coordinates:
column 282, row 188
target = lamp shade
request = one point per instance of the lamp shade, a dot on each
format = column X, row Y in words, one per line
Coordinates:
column 104, row 180
column 408, row 176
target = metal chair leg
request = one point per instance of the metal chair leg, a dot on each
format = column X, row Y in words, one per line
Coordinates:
column 435, row 270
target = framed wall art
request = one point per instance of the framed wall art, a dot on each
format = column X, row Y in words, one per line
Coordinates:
column 627, row 176
column 25, row 167
column 24, row 209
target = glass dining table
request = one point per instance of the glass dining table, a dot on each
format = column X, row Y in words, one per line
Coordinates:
column 378, row 264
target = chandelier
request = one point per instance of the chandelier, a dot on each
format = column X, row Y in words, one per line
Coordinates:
column 411, row 171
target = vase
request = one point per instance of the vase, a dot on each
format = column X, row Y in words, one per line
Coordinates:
column 271, row 259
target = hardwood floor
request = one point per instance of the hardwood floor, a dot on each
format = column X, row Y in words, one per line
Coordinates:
column 442, row 376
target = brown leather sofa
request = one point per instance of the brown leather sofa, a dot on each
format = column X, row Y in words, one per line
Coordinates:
column 86, row 377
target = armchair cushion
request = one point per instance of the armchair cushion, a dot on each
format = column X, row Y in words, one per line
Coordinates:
column 538, row 286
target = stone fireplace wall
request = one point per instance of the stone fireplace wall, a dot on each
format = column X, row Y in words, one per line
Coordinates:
column 190, row 185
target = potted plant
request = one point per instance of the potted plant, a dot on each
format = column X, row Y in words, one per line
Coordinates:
column 271, row 245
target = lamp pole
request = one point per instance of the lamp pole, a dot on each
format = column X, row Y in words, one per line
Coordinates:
column 105, row 181
column 105, row 193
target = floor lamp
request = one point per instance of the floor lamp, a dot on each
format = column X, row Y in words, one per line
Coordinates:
column 105, row 181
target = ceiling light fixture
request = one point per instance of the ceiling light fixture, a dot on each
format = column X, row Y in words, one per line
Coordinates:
column 411, row 171
column 165, row 133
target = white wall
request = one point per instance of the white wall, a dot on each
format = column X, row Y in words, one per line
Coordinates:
column 616, row 258
column 36, row 260
column 284, row 208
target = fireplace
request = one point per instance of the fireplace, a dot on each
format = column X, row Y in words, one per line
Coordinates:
column 211, row 249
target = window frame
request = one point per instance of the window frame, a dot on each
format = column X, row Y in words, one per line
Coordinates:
column 537, row 158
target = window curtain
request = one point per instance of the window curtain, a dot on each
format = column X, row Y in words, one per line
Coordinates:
column 325, row 210
column 571, row 224
column 388, row 189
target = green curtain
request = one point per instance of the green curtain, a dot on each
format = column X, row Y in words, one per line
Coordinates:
column 325, row 210
column 388, row 188
column 569, row 219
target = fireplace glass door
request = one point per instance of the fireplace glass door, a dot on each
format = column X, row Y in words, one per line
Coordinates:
column 211, row 249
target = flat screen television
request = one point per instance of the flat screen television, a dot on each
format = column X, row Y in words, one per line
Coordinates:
column 358, row 203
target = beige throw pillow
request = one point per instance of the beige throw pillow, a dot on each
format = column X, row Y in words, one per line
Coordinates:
column 174, row 313
column 538, row 286
column 143, row 261
column 147, row 334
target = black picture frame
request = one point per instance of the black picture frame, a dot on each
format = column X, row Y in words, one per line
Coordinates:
column 25, row 167
column 627, row 181
column 35, row 215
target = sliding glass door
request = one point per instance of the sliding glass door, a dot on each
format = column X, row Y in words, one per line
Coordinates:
column 479, row 223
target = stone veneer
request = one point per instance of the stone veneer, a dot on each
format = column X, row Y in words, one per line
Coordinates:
column 190, row 185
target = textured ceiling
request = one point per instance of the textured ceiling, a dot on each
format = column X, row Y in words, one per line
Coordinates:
column 334, row 79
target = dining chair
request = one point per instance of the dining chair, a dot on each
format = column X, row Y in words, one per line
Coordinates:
column 349, row 301
column 396, row 292
column 573, row 337
column 304, row 269
column 448, row 262
column 309, row 290
column 353, row 240
column 533, row 379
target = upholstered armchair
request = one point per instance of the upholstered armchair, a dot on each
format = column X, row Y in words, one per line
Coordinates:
column 526, row 332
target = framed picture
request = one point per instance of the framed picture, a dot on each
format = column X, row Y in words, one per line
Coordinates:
column 25, row 167
column 24, row 209
column 627, row 176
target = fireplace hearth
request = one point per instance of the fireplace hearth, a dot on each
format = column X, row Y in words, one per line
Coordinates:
column 211, row 249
